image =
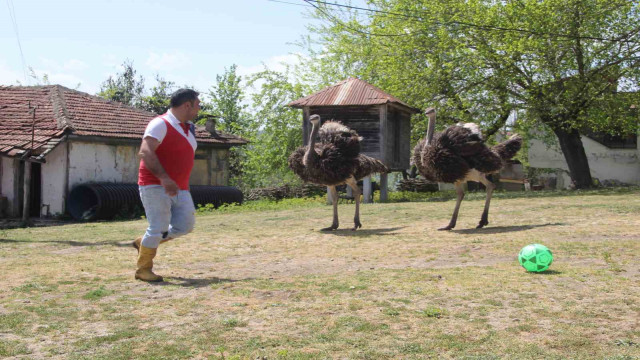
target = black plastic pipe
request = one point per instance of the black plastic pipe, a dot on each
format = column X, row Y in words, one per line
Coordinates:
column 103, row 201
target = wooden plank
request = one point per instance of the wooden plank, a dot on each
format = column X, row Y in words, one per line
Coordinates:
column 306, row 127
column 210, row 167
column 17, row 190
column 405, row 142
column 397, row 139
column 515, row 181
column 384, row 135
column 403, row 109
column 27, row 192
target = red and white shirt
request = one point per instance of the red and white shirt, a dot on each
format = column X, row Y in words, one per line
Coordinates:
column 176, row 151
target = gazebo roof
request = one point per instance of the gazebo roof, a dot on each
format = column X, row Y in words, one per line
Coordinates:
column 349, row 92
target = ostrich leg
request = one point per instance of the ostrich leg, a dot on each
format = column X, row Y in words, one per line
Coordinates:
column 460, row 191
column 484, row 220
column 356, row 194
column 334, row 199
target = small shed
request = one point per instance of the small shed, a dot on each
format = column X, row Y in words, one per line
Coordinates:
column 381, row 119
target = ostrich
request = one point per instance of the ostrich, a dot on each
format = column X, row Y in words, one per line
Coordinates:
column 459, row 154
column 335, row 160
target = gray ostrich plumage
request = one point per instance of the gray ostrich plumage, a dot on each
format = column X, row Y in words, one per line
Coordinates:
column 459, row 154
column 334, row 160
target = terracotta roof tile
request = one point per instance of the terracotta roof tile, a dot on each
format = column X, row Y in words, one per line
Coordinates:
column 61, row 110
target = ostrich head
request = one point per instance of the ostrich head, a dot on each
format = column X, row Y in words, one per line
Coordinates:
column 429, row 111
column 314, row 119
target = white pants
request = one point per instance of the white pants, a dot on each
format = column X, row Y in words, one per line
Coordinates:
column 167, row 216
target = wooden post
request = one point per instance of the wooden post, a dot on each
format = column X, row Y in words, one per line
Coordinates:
column 383, row 188
column 26, row 192
column 384, row 135
column 366, row 191
column 27, row 171
column 210, row 166
column 305, row 125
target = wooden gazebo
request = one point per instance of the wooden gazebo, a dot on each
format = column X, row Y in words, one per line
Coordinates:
column 381, row 119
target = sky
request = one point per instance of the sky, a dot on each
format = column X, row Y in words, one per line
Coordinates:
column 187, row 42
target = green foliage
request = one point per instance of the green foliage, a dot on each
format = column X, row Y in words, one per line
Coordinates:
column 159, row 99
column 34, row 287
column 265, row 205
column 13, row 348
column 227, row 105
column 402, row 196
column 97, row 293
column 433, row 312
column 44, row 80
column 129, row 89
column 279, row 130
column 478, row 61
column 233, row 322
column 124, row 87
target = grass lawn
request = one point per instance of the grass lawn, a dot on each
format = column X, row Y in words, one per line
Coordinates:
column 262, row 282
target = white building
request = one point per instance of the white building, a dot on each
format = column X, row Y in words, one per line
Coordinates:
column 609, row 161
column 76, row 138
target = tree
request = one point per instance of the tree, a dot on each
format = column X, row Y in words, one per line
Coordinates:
column 159, row 99
column 125, row 87
column 278, row 129
column 227, row 104
column 560, row 61
column 129, row 89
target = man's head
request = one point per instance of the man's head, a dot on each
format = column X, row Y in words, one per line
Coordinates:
column 185, row 104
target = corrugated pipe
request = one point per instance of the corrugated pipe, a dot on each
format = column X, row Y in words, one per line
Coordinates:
column 103, row 201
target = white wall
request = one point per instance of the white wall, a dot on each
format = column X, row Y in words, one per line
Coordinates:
column 7, row 185
column 91, row 162
column 53, row 180
column 219, row 168
column 605, row 164
column 7, row 176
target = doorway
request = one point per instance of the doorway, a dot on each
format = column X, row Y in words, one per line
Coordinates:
column 35, row 190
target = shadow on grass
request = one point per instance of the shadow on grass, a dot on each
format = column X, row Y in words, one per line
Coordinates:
column 118, row 243
column 362, row 232
column 546, row 273
column 194, row 283
column 504, row 229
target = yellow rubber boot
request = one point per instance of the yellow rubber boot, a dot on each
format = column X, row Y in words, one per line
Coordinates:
column 145, row 264
column 138, row 242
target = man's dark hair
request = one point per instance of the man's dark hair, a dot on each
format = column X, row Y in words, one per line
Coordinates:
column 182, row 96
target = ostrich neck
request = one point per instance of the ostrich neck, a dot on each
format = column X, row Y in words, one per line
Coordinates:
column 310, row 155
column 431, row 127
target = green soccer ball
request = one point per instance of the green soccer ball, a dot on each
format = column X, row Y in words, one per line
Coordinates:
column 535, row 257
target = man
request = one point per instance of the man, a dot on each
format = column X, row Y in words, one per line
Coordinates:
column 167, row 153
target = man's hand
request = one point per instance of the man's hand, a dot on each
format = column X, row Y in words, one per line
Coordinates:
column 170, row 186
column 148, row 155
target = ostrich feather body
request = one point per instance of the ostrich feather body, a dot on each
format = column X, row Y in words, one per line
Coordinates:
column 459, row 149
column 335, row 159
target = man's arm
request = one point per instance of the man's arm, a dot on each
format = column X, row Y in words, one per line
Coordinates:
column 148, row 155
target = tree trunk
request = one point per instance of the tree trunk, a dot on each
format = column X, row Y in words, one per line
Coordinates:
column 576, row 158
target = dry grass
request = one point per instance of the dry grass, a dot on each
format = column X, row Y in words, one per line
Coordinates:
column 268, row 284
